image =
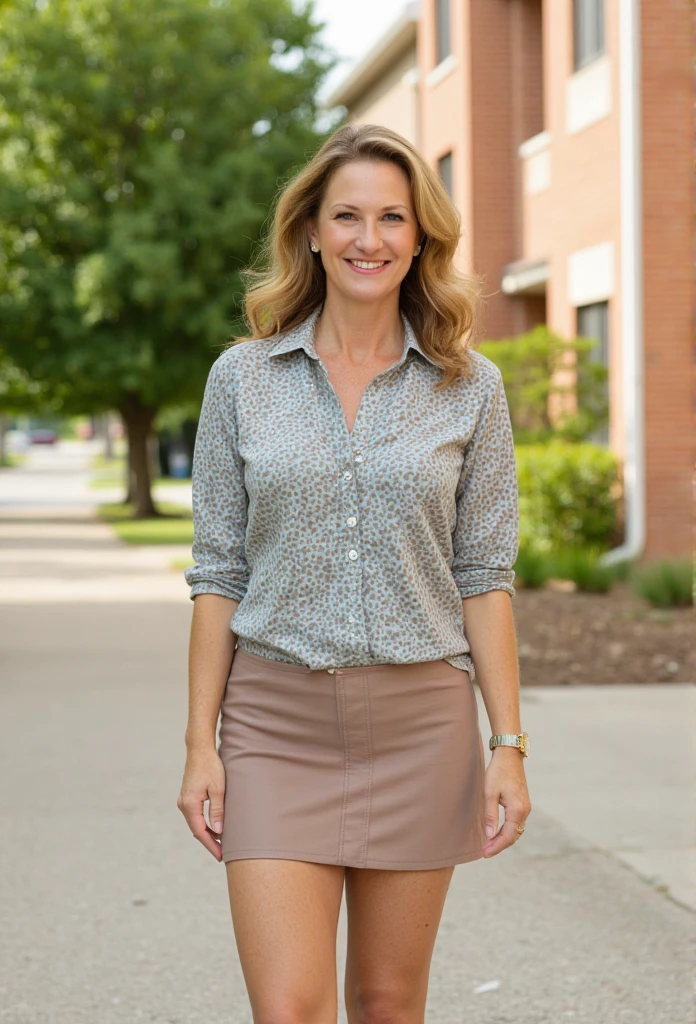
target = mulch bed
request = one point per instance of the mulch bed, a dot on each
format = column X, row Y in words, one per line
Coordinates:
column 566, row 637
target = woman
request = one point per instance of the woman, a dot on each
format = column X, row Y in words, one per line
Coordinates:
column 355, row 510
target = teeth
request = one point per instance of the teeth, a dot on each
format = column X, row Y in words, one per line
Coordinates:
column 364, row 265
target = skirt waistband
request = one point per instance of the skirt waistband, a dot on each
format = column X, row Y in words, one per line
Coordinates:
column 271, row 664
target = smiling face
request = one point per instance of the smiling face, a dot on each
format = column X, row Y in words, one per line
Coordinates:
column 366, row 229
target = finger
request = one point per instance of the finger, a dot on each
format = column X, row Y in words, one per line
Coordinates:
column 490, row 815
column 205, row 835
column 192, row 810
column 216, row 810
column 507, row 836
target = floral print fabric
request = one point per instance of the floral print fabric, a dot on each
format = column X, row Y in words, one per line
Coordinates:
column 351, row 548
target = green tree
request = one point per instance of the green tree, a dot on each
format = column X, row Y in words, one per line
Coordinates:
column 141, row 144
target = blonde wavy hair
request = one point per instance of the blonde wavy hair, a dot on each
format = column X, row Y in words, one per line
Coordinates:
column 440, row 302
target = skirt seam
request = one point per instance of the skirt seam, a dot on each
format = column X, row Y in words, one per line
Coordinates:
column 368, row 738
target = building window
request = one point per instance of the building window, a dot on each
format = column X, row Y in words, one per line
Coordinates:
column 593, row 322
column 442, row 29
column 588, row 31
column 444, row 169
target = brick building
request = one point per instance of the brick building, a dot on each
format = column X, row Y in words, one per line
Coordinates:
column 563, row 131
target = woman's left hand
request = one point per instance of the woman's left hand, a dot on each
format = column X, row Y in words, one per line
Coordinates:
column 505, row 783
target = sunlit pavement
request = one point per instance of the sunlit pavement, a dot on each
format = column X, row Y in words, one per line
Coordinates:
column 110, row 911
column 55, row 549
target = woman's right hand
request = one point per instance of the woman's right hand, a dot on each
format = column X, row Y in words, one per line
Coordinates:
column 204, row 779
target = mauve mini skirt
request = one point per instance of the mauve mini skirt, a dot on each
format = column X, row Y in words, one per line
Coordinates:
column 370, row 767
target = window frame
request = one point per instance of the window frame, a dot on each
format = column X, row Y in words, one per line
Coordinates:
column 445, row 170
column 596, row 314
column 589, row 32
column 443, row 30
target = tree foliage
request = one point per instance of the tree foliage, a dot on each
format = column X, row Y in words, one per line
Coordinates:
column 141, row 144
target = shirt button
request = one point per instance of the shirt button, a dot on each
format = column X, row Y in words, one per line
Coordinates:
column 358, row 458
column 353, row 554
column 351, row 521
column 347, row 475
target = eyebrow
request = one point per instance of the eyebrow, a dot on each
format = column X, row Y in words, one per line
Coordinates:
column 394, row 206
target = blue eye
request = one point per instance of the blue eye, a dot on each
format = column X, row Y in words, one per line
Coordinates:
column 346, row 213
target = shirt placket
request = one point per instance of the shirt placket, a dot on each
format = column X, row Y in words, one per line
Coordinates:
column 353, row 452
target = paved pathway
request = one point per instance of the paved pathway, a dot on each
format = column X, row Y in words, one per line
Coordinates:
column 112, row 914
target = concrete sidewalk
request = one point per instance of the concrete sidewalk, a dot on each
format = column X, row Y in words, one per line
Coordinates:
column 111, row 913
column 54, row 548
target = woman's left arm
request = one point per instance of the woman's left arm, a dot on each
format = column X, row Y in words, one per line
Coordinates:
column 490, row 630
column 485, row 546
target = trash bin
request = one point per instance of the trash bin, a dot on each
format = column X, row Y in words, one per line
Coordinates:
column 179, row 462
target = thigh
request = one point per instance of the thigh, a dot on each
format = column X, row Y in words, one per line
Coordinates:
column 285, row 918
column 393, row 918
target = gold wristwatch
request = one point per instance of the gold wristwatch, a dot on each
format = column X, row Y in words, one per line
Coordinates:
column 508, row 739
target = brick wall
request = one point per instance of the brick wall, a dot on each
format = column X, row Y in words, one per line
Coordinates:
column 667, row 102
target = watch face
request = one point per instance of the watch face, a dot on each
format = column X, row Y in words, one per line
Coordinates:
column 526, row 743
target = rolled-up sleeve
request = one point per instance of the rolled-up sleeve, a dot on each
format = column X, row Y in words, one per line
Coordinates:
column 219, row 497
column 486, row 534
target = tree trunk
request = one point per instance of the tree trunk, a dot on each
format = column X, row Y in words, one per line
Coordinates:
column 138, row 419
column 108, row 444
column 4, row 420
column 129, row 470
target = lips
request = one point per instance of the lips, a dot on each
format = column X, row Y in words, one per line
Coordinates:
column 381, row 265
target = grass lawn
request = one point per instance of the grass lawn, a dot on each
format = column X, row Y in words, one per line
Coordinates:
column 173, row 481
column 174, row 527
column 112, row 473
column 13, row 459
column 179, row 564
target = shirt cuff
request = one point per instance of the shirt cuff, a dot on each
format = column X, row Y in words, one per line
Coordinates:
column 210, row 582
column 478, row 581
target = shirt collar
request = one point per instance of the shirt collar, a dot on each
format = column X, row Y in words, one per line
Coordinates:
column 302, row 336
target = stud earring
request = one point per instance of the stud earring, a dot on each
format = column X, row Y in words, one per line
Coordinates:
column 313, row 247
column 417, row 251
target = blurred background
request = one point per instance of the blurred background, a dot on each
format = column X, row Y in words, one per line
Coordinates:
column 141, row 147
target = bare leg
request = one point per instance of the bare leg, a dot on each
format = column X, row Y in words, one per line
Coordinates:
column 285, row 918
column 393, row 918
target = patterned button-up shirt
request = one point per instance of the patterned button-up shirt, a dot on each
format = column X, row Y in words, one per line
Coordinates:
column 351, row 548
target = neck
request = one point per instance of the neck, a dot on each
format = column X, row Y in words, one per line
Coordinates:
column 359, row 332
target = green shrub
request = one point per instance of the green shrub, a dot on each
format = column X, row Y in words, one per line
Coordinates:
column 542, row 370
column 621, row 570
column 568, row 496
column 533, row 568
column 665, row 584
column 582, row 565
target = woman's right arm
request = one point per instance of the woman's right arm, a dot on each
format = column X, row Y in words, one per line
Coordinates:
column 218, row 579
column 211, row 650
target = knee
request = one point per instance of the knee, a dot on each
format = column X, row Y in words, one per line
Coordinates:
column 387, row 1006
column 284, row 1015
column 292, row 1012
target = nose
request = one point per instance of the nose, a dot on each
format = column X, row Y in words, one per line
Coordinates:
column 370, row 239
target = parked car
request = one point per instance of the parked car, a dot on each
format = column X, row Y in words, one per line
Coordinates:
column 42, row 435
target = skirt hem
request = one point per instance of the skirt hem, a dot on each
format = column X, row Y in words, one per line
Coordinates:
column 369, row 862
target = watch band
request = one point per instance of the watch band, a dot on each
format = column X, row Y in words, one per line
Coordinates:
column 508, row 739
